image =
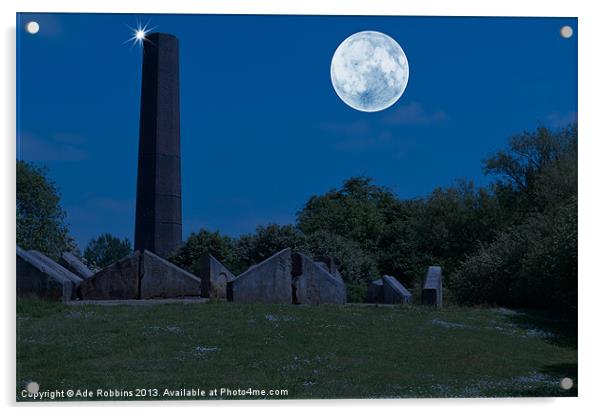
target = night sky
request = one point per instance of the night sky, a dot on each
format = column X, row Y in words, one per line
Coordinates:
column 261, row 126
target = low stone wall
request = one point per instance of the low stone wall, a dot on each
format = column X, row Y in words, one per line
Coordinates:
column 73, row 264
column 394, row 292
column 118, row 281
column 432, row 289
column 375, row 292
column 160, row 278
column 140, row 276
column 214, row 277
column 34, row 276
column 76, row 280
column 314, row 284
column 267, row 282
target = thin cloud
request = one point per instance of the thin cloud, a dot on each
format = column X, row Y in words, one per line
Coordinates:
column 96, row 209
column 557, row 119
column 361, row 143
column 112, row 205
column 248, row 223
column 33, row 148
column 356, row 128
column 191, row 225
column 414, row 114
column 94, row 214
column 382, row 131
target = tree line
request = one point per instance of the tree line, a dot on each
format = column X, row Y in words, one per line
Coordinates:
column 512, row 242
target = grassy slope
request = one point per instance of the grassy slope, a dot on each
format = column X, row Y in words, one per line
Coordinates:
column 314, row 352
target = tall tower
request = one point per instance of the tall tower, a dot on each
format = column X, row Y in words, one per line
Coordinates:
column 159, row 195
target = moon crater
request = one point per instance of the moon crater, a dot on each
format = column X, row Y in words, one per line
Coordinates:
column 369, row 71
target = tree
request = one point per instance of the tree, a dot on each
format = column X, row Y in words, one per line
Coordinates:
column 537, row 170
column 204, row 242
column 532, row 261
column 251, row 249
column 403, row 237
column 106, row 249
column 359, row 211
column 532, row 264
column 40, row 218
column 454, row 221
column 355, row 265
column 238, row 254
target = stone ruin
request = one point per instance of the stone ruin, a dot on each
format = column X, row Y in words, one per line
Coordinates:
column 137, row 276
column 57, row 269
column 117, row 281
column 141, row 276
column 394, row 292
column 267, row 282
column 288, row 277
column 38, row 276
column 432, row 289
column 316, row 282
column 328, row 263
column 375, row 292
column 214, row 277
column 285, row 278
column 73, row 264
column 388, row 290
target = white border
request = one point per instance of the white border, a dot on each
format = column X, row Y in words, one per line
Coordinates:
column 338, row 7
column 590, row 69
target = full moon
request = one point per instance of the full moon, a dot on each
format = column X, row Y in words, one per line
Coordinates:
column 369, row 71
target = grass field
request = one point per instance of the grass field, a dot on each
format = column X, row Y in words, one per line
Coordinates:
column 313, row 352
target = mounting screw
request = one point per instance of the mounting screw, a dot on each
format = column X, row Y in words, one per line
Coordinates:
column 566, row 383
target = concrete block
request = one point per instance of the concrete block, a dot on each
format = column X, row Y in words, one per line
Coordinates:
column 375, row 292
column 35, row 276
column 160, row 278
column 73, row 264
column 328, row 263
column 394, row 292
column 76, row 280
column 267, row 282
column 313, row 284
column 214, row 277
column 118, row 281
column 432, row 289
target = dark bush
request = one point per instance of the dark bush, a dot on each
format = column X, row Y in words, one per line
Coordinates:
column 106, row 249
